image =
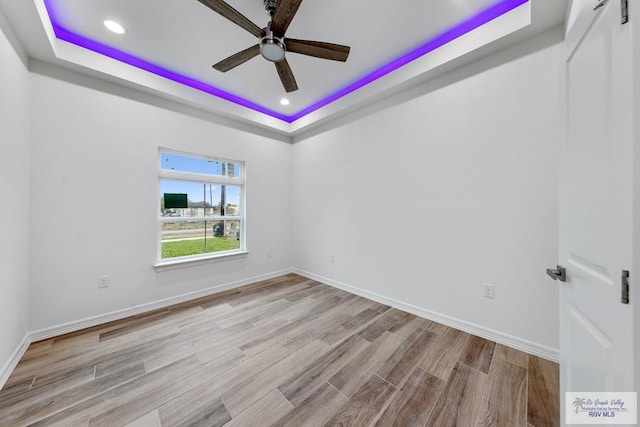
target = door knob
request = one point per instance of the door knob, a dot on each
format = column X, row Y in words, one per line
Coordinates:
column 559, row 273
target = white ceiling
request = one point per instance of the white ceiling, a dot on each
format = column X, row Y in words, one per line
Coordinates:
column 186, row 38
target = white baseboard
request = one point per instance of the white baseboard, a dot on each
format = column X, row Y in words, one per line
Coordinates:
column 143, row 308
column 11, row 364
column 77, row 325
column 54, row 331
column 530, row 347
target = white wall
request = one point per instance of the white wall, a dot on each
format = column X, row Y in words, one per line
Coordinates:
column 425, row 201
column 94, row 183
column 14, row 191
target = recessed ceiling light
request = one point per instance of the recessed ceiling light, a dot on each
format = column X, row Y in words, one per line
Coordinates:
column 284, row 101
column 114, row 26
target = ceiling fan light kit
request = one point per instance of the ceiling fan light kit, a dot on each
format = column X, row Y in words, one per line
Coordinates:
column 272, row 48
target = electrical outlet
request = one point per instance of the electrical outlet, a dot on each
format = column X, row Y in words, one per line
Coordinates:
column 104, row 281
column 331, row 258
column 489, row 291
column 269, row 254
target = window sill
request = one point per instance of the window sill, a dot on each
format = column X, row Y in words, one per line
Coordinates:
column 174, row 264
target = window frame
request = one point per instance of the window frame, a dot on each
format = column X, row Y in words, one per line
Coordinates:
column 200, row 178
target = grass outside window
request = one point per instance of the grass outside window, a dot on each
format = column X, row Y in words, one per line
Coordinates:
column 179, row 248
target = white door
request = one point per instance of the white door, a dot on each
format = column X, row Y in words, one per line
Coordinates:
column 596, row 337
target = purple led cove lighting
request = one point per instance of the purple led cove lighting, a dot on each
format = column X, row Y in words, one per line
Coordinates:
column 105, row 50
column 468, row 25
column 460, row 29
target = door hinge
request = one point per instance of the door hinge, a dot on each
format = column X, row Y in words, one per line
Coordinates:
column 559, row 273
column 625, row 287
column 625, row 11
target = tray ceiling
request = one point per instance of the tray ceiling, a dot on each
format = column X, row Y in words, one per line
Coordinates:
column 169, row 48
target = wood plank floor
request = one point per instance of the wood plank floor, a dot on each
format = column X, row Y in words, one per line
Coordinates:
column 288, row 352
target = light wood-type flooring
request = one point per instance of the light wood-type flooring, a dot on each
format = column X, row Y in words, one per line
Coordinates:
column 288, row 352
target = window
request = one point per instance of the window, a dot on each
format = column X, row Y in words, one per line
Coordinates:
column 201, row 206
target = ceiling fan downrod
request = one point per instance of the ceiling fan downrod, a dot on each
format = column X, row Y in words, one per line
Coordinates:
column 270, row 6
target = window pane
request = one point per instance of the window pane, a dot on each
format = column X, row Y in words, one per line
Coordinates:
column 177, row 162
column 233, row 170
column 194, row 213
column 230, row 229
column 184, row 238
column 203, row 199
column 230, row 196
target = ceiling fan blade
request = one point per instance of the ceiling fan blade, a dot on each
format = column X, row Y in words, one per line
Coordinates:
column 285, row 12
column 286, row 76
column 237, row 59
column 334, row 52
column 233, row 15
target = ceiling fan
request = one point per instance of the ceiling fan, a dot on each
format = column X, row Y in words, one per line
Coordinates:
column 273, row 44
